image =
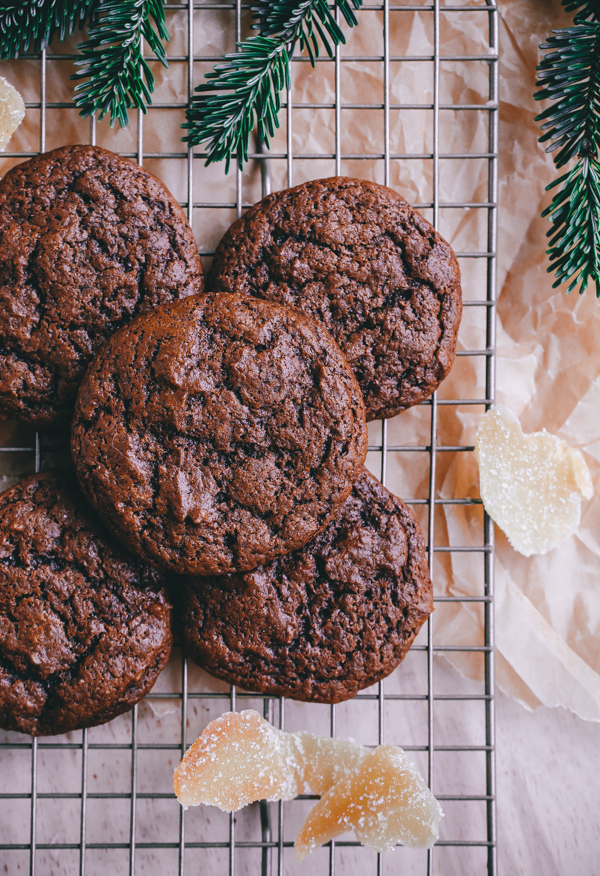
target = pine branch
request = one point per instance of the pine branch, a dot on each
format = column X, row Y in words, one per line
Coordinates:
column 117, row 76
column 569, row 76
column 280, row 18
column 583, row 9
column 34, row 24
column 244, row 91
column 575, row 233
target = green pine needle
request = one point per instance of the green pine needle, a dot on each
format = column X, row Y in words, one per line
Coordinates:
column 583, row 9
column 569, row 76
column 240, row 93
column 117, row 77
column 300, row 20
column 575, row 233
column 274, row 16
column 244, row 91
column 33, row 25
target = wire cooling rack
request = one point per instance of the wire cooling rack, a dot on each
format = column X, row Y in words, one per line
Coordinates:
column 100, row 800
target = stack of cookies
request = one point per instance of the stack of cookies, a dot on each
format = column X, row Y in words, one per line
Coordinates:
column 218, row 436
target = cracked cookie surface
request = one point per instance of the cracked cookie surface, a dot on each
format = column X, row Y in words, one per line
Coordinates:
column 85, row 628
column 326, row 621
column 87, row 240
column 214, row 435
column 356, row 256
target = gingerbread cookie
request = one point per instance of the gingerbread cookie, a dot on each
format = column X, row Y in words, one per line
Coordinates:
column 84, row 627
column 87, row 240
column 326, row 621
column 356, row 256
column 215, row 435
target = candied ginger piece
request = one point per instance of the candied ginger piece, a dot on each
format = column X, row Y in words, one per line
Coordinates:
column 326, row 760
column 385, row 801
column 241, row 758
column 531, row 485
column 238, row 759
column 12, row 111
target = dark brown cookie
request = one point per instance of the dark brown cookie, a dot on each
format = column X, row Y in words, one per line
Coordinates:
column 84, row 627
column 358, row 257
column 326, row 621
column 215, row 435
column 87, row 240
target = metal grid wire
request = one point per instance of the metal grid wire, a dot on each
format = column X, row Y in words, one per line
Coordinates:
column 262, row 840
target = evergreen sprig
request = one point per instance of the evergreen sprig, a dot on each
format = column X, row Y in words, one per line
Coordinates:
column 313, row 17
column 583, row 9
column 33, row 25
column 575, row 233
column 245, row 90
column 569, row 76
column 117, row 76
column 240, row 93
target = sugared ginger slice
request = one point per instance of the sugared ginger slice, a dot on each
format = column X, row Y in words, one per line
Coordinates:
column 325, row 761
column 531, row 485
column 12, row 111
column 240, row 759
column 385, row 802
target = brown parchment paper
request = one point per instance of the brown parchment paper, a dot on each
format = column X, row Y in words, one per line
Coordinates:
column 548, row 373
column 548, row 350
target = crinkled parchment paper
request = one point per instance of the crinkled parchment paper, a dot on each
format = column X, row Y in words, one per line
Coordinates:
column 548, row 364
column 548, row 373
